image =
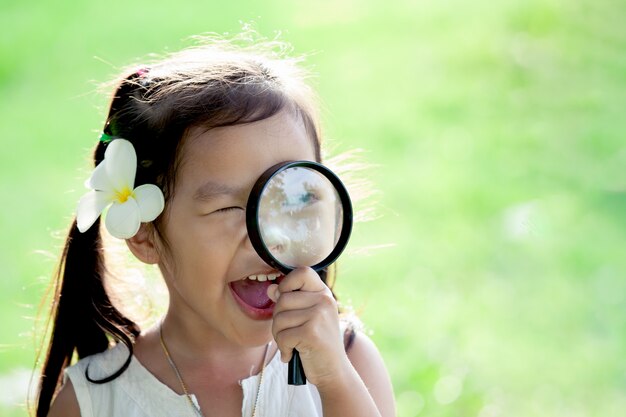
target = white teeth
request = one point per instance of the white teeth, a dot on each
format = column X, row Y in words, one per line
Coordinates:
column 264, row 277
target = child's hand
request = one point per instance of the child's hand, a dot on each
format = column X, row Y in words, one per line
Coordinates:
column 306, row 318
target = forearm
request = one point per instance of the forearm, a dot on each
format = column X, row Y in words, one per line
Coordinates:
column 347, row 395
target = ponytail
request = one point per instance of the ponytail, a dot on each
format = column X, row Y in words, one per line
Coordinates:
column 83, row 316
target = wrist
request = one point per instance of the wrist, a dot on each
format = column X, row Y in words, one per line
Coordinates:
column 335, row 384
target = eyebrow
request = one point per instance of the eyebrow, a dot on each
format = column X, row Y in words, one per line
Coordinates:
column 210, row 190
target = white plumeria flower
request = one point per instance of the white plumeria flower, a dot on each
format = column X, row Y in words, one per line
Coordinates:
column 112, row 184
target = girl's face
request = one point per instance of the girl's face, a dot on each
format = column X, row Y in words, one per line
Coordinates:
column 209, row 249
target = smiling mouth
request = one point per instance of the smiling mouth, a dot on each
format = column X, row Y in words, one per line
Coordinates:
column 251, row 293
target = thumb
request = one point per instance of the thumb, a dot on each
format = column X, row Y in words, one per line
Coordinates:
column 273, row 293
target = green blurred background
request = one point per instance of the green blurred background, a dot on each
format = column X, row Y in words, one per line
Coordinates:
column 493, row 278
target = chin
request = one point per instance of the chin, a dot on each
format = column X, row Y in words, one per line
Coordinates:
column 256, row 337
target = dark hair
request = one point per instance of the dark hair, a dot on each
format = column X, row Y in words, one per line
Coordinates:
column 209, row 86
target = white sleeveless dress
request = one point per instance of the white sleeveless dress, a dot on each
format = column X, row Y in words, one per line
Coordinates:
column 138, row 393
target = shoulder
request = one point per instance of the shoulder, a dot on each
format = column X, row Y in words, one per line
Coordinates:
column 100, row 365
column 365, row 356
column 78, row 393
column 369, row 364
column 65, row 403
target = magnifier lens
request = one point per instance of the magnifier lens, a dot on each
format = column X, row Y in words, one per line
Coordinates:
column 300, row 217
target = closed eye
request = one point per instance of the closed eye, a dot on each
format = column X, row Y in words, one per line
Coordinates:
column 228, row 209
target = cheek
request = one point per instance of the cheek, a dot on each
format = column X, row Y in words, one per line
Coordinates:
column 199, row 242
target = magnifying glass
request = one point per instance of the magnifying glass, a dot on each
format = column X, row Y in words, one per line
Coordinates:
column 299, row 214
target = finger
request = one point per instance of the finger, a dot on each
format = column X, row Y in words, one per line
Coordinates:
column 288, row 340
column 288, row 328
column 291, row 329
column 273, row 293
column 300, row 300
column 301, row 279
column 290, row 319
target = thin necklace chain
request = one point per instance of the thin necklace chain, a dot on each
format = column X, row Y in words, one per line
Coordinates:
column 194, row 406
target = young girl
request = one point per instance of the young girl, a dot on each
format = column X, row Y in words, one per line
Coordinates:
column 183, row 143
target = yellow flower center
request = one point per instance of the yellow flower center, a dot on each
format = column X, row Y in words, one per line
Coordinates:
column 122, row 195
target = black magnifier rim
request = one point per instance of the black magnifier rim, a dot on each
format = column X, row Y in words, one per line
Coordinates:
column 252, row 214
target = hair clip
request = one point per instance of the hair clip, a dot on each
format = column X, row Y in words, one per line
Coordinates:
column 142, row 71
column 104, row 138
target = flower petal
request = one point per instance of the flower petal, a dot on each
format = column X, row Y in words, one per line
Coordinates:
column 99, row 179
column 150, row 201
column 90, row 206
column 121, row 164
column 123, row 220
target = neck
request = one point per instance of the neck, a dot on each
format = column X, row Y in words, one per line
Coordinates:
column 195, row 346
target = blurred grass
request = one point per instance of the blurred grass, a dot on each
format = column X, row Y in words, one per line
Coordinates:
column 498, row 131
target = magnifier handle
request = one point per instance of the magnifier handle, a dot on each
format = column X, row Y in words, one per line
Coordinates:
column 296, row 374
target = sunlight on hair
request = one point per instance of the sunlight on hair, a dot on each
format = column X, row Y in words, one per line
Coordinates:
column 136, row 289
column 352, row 167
